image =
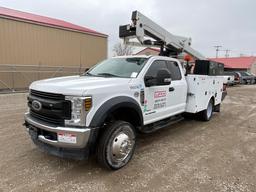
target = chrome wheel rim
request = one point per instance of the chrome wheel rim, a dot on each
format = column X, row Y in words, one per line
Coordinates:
column 122, row 146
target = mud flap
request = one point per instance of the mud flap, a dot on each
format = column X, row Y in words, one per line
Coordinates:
column 224, row 94
column 216, row 108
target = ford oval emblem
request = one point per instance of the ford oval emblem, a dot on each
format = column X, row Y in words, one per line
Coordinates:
column 36, row 105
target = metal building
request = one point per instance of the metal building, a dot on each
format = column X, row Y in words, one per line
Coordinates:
column 148, row 51
column 35, row 47
column 238, row 63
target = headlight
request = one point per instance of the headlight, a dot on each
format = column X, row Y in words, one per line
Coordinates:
column 80, row 106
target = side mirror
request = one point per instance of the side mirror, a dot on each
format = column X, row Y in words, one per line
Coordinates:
column 87, row 69
column 149, row 81
column 163, row 77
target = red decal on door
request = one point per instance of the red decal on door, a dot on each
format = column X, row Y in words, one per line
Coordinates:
column 159, row 94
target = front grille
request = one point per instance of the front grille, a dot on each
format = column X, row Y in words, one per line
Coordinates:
column 55, row 109
column 45, row 95
column 56, row 121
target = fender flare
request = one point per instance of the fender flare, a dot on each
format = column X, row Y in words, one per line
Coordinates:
column 113, row 104
column 213, row 99
column 210, row 98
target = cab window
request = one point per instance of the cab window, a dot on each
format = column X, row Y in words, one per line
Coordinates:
column 154, row 68
column 174, row 69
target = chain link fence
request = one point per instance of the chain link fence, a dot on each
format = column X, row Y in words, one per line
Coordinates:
column 17, row 78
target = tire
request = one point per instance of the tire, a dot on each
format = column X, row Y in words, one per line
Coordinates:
column 116, row 145
column 206, row 114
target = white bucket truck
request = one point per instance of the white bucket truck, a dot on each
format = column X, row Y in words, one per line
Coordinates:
column 102, row 110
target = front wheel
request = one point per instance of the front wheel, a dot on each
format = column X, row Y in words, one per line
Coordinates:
column 116, row 145
column 206, row 114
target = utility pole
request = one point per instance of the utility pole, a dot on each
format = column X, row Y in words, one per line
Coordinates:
column 227, row 52
column 217, row 49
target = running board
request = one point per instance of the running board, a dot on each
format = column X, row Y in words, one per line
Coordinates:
column 161, row 124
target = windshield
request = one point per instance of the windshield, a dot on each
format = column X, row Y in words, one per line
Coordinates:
column 243, row 73
column 118, row 67
column 228, row 73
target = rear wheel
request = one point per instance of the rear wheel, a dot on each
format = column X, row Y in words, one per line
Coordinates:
column 116, row 145
column 206, row 114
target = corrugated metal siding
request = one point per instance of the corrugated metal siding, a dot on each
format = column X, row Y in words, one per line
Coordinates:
column 253, row 68
column 30, row 44
column 23, row 43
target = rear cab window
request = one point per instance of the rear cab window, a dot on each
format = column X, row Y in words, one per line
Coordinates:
column 174, row 69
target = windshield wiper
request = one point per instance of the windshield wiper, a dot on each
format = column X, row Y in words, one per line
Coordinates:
column 88, row 74
column 107, row 75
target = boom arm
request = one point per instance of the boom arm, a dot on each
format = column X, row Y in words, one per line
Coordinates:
column 142, row 27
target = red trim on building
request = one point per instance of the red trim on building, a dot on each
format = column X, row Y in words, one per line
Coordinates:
column 236, row 62
column 148, row 48
column 46, row 21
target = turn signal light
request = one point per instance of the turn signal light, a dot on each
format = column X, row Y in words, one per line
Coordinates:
column 88, row 103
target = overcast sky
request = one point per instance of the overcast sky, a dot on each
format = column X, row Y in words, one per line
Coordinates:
column 230, row 23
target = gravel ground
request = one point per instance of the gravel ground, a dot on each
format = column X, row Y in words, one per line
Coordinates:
column 219, row 155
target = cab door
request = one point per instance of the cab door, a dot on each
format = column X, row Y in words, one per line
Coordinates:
column 162, row 101
column 155, row 103
column 178, row 88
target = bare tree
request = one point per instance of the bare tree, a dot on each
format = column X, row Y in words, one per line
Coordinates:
column 122, row 49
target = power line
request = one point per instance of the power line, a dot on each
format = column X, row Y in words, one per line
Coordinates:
column 217, row 49
column 227, row 52
column 243, row 52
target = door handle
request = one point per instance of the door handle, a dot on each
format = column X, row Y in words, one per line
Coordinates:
column 171, row 89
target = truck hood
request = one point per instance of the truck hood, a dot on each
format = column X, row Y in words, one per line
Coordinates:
column 77, row 85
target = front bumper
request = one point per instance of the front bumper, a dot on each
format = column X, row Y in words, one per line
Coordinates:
column 46, row 137
column 82, row 134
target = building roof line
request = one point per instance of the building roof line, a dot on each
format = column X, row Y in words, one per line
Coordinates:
column 45, row 21
column 245, row 62
column 153, row 49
